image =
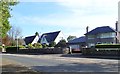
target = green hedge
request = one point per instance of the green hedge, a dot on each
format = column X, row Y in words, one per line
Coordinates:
column 37, row 45
column 21, row 46
column 0, row 48
column 12, row 49
column 94, row 51
column 30, row 46
column 107, row 46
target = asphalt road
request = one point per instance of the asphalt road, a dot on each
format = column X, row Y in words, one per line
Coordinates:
column 55, row 63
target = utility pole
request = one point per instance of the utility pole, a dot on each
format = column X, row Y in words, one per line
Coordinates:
column 116, row 26
column 87, row 28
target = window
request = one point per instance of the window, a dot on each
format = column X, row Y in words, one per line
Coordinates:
column 43, row 40
column 91, row 44
column 91, row 36
column 106, row 35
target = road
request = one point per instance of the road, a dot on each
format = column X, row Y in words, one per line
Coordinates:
column 56, row 63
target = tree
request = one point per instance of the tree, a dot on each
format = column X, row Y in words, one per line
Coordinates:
column 6, row 40
column 71, row 38
column 52, row 44
column 4, row 16
column 37, row 34
column 14, row 33
column 61, row 43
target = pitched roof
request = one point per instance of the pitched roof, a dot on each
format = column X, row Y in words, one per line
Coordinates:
column 103, row 29
column 50, row 36
column 78, row 40
column 29, row 39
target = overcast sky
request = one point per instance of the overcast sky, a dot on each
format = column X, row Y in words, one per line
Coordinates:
column 69, row 16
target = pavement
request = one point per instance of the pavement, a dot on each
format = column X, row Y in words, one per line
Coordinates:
column 13, row 67
column 61, row 63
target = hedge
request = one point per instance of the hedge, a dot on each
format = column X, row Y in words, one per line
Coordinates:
column 12, row 49
column 1, row 48
column 21, row 47
column 94, row 51
column 107, row 46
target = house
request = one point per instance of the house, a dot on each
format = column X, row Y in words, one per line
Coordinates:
column 31, row 39
column 77, row 43
column 101, row 35
column 47, row 38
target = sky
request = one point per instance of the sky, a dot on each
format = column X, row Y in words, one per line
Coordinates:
column 69, row 16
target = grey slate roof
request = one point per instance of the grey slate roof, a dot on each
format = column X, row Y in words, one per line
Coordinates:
column 78, row 40
column 29, row 39
column 103, row 29
column 50, row 36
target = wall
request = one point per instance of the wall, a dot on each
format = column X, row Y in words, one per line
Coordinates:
column 43, row 51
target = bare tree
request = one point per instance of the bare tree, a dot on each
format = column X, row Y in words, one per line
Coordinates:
column 17, row 32
column 14, row 33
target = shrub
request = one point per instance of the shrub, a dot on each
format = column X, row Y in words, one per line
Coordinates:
column 30, row 46
column 1, row 48
column 44, row 45
column 61, row 44
column 52, row 44
column 37, row 45
column 107, row 46
column 97, row 51
column 21, row 46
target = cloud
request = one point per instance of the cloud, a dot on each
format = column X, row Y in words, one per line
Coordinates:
column 81, row 13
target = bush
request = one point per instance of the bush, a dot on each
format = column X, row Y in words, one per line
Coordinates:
column 30, row 46
column 44, row 45
column 97, row 51
column 107, row 46
column 37, row 45
column 1, row 48
column 21, row 46
column 61, row 44
column 52, row 44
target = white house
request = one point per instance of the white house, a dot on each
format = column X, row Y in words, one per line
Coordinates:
column 47, row 38
column 31, row 39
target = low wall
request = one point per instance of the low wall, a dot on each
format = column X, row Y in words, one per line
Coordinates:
column 101, row 51
column 43, row 51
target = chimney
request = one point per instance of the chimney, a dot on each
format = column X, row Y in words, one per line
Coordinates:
column 87, row 29
column 116, row 26
column 87, row 36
